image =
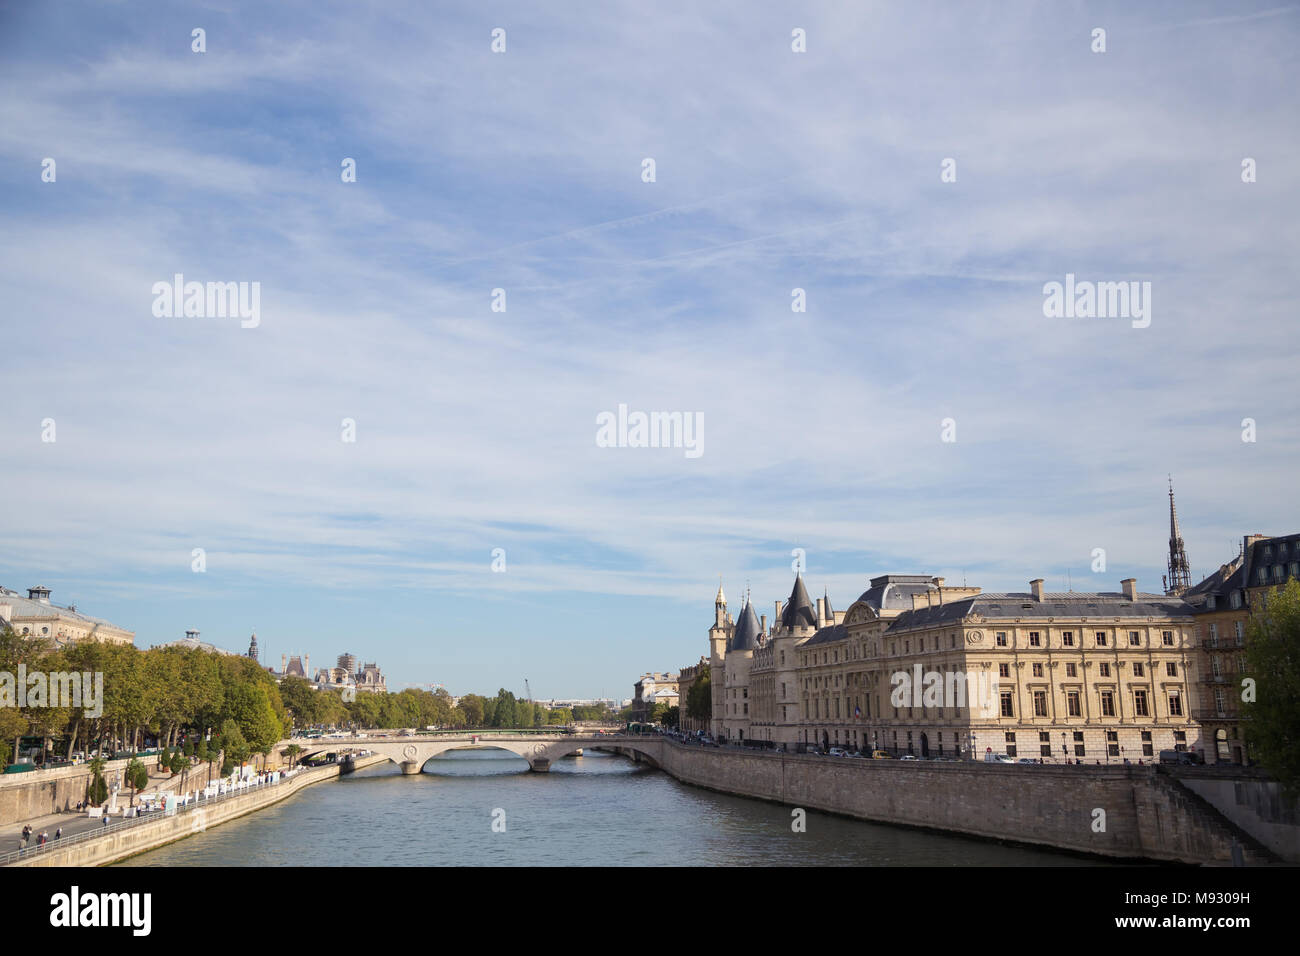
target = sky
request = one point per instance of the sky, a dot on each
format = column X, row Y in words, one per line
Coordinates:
column 524, row 171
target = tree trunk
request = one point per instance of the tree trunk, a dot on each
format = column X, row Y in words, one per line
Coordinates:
column 72, row 738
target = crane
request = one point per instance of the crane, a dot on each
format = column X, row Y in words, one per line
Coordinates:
column 528, row 690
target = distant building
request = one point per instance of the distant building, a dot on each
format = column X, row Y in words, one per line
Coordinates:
column 1223, row 602
column 36, row 616
column 191, row 641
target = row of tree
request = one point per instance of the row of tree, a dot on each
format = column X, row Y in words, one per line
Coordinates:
column 174, row 695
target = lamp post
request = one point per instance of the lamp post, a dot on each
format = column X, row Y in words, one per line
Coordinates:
column 1065, row 753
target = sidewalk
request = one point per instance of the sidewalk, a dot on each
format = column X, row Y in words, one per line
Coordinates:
column 73, row 821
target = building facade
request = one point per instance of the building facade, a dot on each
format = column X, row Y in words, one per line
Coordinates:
column 37, row 616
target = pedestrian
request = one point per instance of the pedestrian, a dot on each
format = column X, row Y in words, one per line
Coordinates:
column 58, row 834
column 40, row 840
column 105, row 819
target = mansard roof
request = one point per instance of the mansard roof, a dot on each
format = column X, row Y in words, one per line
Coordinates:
column 799, row 611
column 1068, row 605
column 893, row 592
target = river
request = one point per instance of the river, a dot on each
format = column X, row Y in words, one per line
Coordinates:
column 594, row 810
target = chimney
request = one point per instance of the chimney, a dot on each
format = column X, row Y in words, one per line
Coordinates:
column 821, row 612
column 1130, row 586
column 284, row 664
column 762, row 623
column 1036, row 586
column 776, row 613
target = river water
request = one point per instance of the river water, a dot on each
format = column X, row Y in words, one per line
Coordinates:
column 594, row 810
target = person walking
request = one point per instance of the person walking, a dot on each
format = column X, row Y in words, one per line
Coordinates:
column 58, row 834
column 27, row 834
column 105, row 819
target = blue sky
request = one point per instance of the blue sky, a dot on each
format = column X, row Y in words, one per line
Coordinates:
column 476, row 429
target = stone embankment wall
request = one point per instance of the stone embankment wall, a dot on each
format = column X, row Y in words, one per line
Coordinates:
column 149, row 836
column 41, row 792
column 1123, row 812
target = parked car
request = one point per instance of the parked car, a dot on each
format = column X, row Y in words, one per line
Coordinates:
column 1178, row 757
column 838, row 752
column 998, row 758
column 1032, row 760
column 908, row 757
column 881, row 755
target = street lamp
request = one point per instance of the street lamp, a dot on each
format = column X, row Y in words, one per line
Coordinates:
column 1065, row 753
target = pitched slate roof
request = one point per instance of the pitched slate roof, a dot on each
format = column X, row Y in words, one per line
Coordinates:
column 1068, row 605
column 894, row 592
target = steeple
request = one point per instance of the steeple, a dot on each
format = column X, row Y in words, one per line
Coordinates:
column 252, row 647
column 1179, row 578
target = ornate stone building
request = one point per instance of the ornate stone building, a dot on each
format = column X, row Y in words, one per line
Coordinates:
column 36, row 616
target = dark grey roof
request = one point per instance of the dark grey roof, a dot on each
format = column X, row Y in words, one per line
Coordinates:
column 1069, row 604
column 894, row 592
column 799, row 611
column 1269, row 553
column 745, row 637
column 826, row 635
column 826, row 599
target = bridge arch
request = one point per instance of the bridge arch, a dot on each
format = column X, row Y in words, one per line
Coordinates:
column 412, row 753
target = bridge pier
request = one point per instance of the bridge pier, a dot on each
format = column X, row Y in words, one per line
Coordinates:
column 411, row 766
column 539, row 765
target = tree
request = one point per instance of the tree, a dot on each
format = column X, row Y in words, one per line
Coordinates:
column 137, row 775
column 699, row 700
column 292, row 752
column 471, row 706
column 1273, row 663
column 235, row 747
column 97, row 788
column 668, row 716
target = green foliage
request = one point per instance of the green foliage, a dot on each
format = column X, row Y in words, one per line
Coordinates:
column 699, row 699
column 1273, row 663
column 97, row 788
column 178, row 762
column 137, row 776
column 668, row 716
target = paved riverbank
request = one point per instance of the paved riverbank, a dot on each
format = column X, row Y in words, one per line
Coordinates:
column 128, row 838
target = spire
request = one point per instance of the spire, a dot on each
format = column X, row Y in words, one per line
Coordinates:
column 1179, row 578
column 721, row 598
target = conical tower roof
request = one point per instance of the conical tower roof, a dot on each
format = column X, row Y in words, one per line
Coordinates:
column 745, row 637
column 799, row 611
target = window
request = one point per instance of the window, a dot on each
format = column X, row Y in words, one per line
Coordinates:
column 1072, row 704
column 1007, row 710
column 1067, row 638
column 1107, row 703
column 1240, row 634
column 1140, row 703
column 1040, row 703
column 1278, row 571
column 1218, row 701
column 1071, row 670
column 1263, row 576
column 1035, row 639
column 1167, row 638
column 1004, row 670
column 1044, row 737
column 1175, row 704
column 1101, row 638
column 1171, row 669
column 1038, row 670
column 1139, row 669
column 1135, row 638
column 1103, row 669
column 1216, row 668
column 1214, row 635
column 1001, row 639
column 1009, row 737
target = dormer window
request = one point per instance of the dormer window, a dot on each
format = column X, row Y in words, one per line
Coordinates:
column 1236, row 599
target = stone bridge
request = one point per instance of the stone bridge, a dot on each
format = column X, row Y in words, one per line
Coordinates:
column 540, row 750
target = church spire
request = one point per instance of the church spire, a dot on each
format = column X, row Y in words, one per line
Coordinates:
column 1179, row 578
